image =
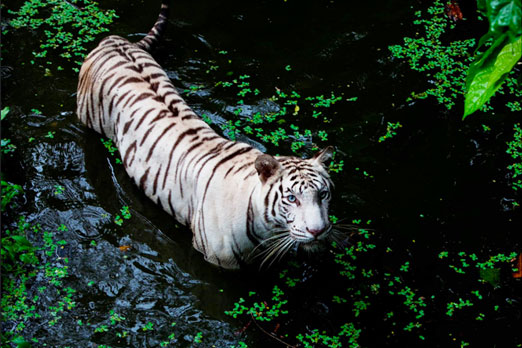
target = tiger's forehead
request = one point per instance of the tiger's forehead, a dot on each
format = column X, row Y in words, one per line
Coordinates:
column 294, row 164
column 303, row 188
column 301, row 176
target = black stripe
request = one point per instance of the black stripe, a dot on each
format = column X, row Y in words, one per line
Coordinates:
column 142, row 96
column 116, row 66
column 159, row 98
column 93, row 112
column 201, row 230
column 228, row 171
column 100, row 94
column 111, row 106
column 150, row 63
column 161, row 114
column 127, row 153
column 136, row 68
column 146, row 135
column 118, row 80
column 267, row 201
column 244, row 166
column 208, row 157
column 276, row 199
column 158, row 139
column 117, row 120
column 127, row 125
column 212, row 152
column 93, row 58
column 215, row 152
column 100, row 61
column 127, row 103
column 154, row 86
column 190, row 211
column 250, row 230
column 222, row 161
column 252, row 173
column 190, row 116
column 172, row 212
column 171, row 92
column 155, row 183
column 156, row 75
column 186, row 153
column 186, row 133
column 143, row 183
column 132, row 79
column 122, row 97
column 140, row 55
column 134, row 113
column 101, row 116
column 143, row 117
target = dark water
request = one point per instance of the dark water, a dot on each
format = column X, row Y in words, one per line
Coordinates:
column 440, row 182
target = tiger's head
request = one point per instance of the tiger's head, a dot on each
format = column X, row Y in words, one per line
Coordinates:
column 296, row 194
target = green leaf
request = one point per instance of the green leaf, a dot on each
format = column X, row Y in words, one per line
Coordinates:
column 21, row 342
column 22, row 241
column 5, row 111
column 491, row 275
column 486, row 75
column 503, row 15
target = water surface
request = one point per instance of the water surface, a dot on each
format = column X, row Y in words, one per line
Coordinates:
column 440, row 183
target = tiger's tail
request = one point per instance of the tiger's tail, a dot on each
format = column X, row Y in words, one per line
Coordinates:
column 154, row 35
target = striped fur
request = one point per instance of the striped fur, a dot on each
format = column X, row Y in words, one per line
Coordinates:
column 237, row 201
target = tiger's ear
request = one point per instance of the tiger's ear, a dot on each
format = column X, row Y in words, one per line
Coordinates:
column 323, row 155
column 266, row 167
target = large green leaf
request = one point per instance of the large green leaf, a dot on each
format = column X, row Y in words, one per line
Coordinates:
column 503, row 16
column 486, row 75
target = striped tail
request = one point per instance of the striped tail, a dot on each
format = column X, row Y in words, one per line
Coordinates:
column 154, row 35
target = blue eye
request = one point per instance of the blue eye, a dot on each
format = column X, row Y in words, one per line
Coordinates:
column 291, row 198
column 323, row 194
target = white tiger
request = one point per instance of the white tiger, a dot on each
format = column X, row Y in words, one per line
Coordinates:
column 234, row 198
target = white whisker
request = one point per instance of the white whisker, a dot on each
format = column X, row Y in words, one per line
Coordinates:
column 274, row 247
column 269, row 243
column 274, row 244
column 339, row 237
column 278, row 250
column 285, row 249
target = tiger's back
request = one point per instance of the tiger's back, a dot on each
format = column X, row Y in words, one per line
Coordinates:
column 175, row 157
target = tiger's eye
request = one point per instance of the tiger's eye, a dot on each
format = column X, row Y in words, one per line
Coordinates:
column 291, row 198
column 323, row 194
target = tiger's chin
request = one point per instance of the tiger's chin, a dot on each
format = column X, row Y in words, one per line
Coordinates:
column 313, row 246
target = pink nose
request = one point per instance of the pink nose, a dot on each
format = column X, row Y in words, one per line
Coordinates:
column 315, row 232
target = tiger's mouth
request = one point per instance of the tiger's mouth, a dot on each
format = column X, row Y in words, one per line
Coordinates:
column 312, row 246
column 316, row 244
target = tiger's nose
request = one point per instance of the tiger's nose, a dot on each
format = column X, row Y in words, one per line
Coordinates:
column 316, row 232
